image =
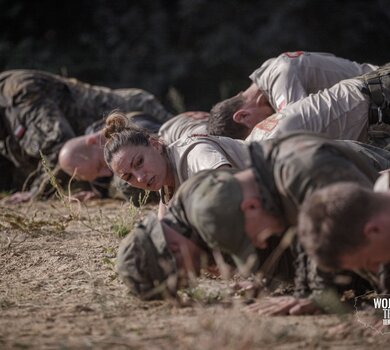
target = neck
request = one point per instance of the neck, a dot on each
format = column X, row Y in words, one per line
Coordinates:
column 170, row 173
column 170, row 178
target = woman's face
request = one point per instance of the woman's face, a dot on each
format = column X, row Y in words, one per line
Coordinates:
column 141, row 166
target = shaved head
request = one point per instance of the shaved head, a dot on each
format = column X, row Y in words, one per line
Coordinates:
column 83, row 157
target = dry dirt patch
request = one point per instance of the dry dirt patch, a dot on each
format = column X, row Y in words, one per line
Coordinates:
column 59, row 290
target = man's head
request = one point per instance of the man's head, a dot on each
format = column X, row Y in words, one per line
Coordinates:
column 346, row 226
column 83, row 157
column 237, row 116
column 225, row 208
column 154, row 260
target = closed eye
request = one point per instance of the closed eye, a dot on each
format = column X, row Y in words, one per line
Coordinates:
column 139, row 162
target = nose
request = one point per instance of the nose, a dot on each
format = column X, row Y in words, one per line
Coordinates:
column 140, row 176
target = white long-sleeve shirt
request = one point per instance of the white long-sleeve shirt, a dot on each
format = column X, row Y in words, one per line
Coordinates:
column 306, row 91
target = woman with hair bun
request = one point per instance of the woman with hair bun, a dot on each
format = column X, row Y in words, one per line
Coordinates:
column 144, row 161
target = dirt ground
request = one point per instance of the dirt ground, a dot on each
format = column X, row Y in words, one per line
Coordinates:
column 59, row 290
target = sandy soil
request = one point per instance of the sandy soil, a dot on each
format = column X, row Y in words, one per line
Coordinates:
column 59, row 290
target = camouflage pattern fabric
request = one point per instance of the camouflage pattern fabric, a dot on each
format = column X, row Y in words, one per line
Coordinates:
column 377, row 86
column 186, row 218
column 290, row 168
column 144, row 262
column 40, row 111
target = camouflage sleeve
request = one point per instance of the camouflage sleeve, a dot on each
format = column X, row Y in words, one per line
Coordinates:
column 141, row 100
column 328, row 290
column 38, row 127
column 44, row 129
column 301, row 272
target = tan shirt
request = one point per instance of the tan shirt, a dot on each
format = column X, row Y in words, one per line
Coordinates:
column 190, row 155
column 181, row 125
column 340, row 112
column 295, row 75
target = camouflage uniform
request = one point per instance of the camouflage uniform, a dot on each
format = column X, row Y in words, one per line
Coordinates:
column 207, row 212
column 290, row 168
column 40, row 111
column 286, row 170
column 179, row 217
column 145, row 263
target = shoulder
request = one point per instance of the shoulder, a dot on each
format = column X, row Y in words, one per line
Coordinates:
column 382, row 184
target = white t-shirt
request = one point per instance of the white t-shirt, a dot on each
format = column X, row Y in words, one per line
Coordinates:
column 294, row 75
column 192, row 154
column 340, row 112
column 181, row 125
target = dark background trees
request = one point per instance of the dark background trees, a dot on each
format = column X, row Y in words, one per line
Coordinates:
column 203, row 49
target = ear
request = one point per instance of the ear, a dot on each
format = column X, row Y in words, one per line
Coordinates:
column 250, row 204
column 372, row 229
column 156, row 144
column 241, row 117
column 92, row 139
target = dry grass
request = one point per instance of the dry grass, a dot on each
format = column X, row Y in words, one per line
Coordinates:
column 58, row 290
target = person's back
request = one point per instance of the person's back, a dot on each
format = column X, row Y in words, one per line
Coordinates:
column 293, row 166
column 42, row 110
column 80, row 103
column 280, row 82
column 187, row 123
column 23, row 93
column 284, row 171
column 93, row 102
column 294, row 75
column 194, row 153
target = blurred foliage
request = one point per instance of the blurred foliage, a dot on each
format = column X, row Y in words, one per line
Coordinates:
column 203, row 49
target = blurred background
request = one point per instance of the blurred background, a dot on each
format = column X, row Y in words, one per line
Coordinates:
column 189, row 53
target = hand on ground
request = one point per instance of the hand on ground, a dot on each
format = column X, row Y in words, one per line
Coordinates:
column 275, row 306
column 18, row 197
column 86, row 195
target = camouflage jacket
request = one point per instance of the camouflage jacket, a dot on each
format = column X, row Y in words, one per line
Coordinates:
column 290, row 168
column 178, row 218
column 40, row 111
